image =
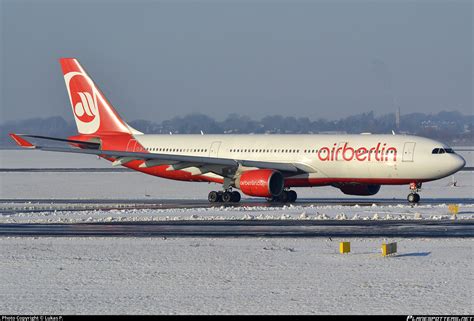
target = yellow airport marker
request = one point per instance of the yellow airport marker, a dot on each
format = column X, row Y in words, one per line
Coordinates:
column 344, row 247
column 453, row 209
column 389, row 248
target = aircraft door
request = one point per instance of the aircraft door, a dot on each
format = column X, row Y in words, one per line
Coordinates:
column 214, row 149
column 408, row 152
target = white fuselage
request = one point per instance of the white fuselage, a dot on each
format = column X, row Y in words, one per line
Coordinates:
column 327, row 159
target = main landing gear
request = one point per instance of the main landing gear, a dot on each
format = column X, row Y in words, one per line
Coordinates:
column 224, row 197
column 285, row 197
column 414, row 197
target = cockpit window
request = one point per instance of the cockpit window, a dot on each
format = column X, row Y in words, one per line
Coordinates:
column 442, row 151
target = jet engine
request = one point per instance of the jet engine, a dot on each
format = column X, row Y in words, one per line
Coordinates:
column 261, row 183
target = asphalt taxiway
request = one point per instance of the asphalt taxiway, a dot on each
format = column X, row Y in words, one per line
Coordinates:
column 255, row 228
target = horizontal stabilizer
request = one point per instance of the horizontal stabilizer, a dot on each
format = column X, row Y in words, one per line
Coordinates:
column 21, row 141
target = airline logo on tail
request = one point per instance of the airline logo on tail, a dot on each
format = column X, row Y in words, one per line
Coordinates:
column 83, row 96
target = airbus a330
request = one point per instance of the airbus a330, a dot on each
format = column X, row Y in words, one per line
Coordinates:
column 265, row 166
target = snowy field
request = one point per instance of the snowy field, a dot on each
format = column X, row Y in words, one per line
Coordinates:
column 230, row 275
column 291, row 212
column 236, row 275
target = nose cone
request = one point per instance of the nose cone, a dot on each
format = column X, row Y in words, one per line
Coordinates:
column 457, row 163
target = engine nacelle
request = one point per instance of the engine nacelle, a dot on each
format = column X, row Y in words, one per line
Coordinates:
column 261, row 182
column 360, row 189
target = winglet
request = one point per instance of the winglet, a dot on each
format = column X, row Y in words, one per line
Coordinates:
column 21, row 141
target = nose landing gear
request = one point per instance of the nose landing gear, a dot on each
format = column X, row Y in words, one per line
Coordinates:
column 414, row 197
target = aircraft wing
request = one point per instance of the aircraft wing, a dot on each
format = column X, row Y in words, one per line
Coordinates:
column 220, row 166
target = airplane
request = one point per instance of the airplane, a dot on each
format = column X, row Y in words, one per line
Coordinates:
column 266, row 166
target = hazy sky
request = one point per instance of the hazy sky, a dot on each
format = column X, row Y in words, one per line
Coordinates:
column 155, row 60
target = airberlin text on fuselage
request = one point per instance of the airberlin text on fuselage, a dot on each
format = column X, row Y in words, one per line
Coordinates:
column 380, row 153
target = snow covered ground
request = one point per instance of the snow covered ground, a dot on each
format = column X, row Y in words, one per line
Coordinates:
column 298, row 212
column 236, row 275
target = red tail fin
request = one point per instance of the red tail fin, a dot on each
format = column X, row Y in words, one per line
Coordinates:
column 92, row 112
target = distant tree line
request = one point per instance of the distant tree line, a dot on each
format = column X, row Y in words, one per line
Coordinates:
column 453, row 128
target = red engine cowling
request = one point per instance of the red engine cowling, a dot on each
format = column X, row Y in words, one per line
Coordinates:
column 360, row 189
column 261, row 182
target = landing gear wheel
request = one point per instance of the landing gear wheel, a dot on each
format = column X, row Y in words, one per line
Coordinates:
column 227, row 197
column 213, row 197
column 292, row 196
column 235, row 196
column 283, row 197
column 413, row 198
